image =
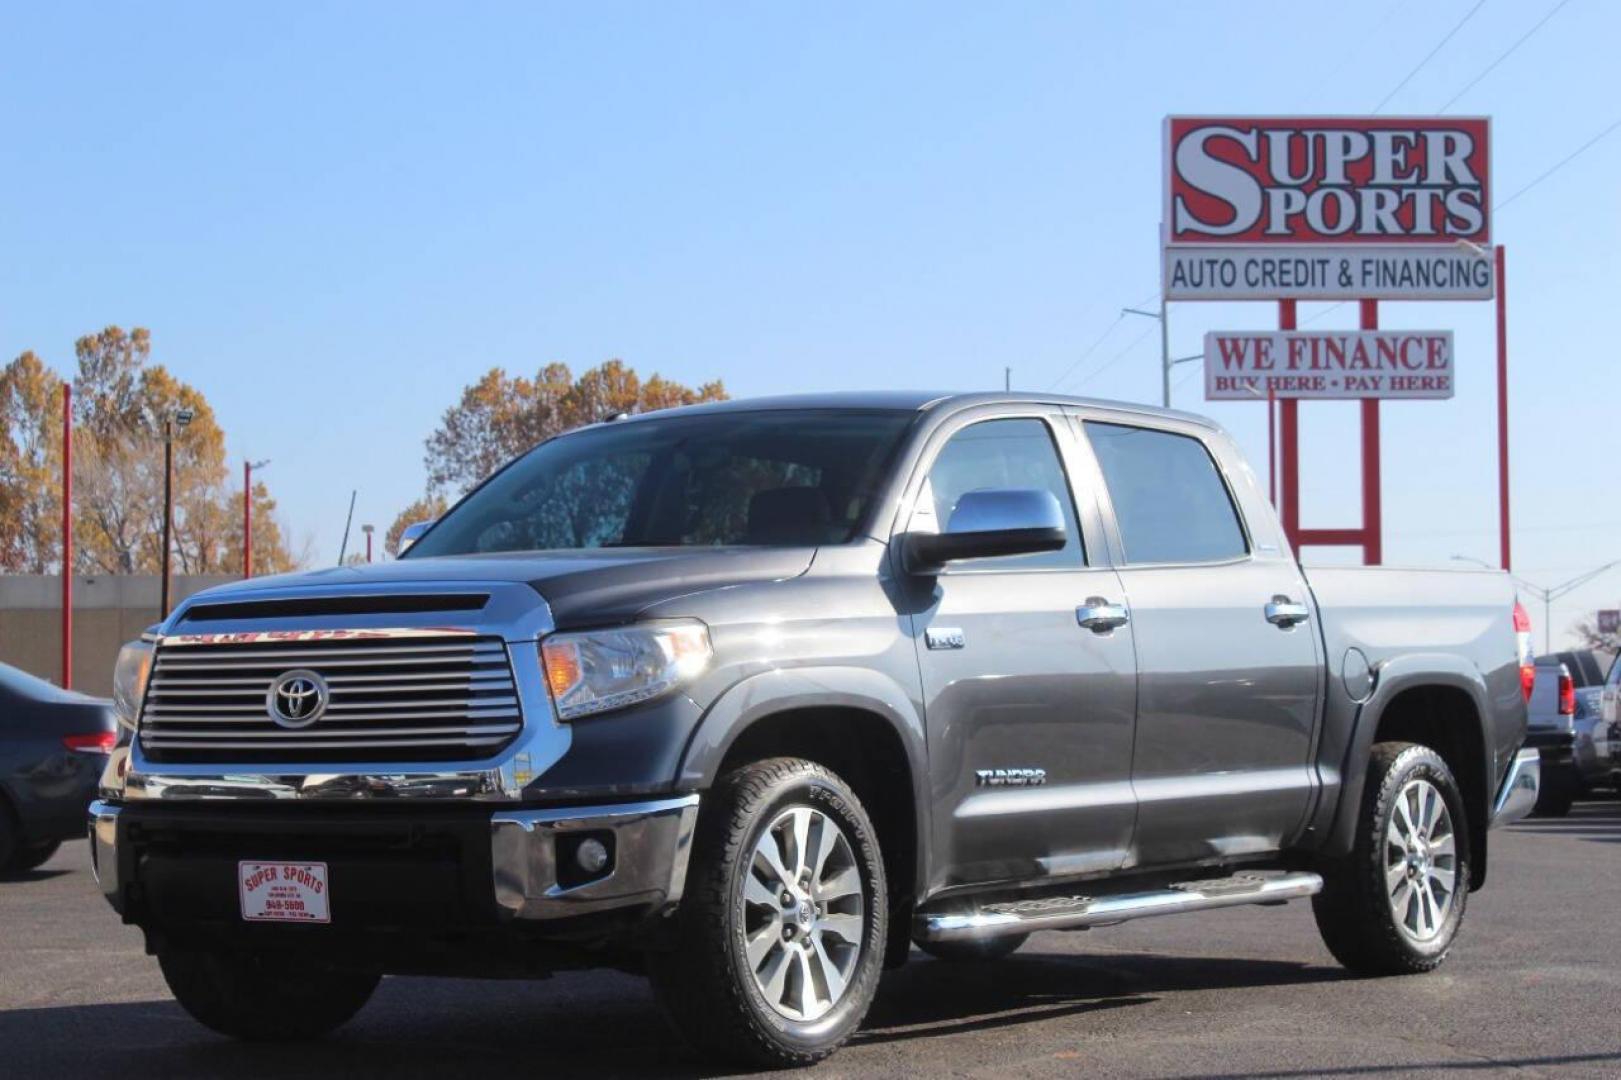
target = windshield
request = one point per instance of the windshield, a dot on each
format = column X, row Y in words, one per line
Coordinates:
column 774, row 477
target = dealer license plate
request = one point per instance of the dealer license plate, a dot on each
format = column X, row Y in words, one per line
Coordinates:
column 284, row 892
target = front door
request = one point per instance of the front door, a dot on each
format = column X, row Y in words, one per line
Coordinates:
column 1029, row 713
column 1228, row 661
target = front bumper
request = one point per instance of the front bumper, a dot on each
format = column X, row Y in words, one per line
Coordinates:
column 460, row 866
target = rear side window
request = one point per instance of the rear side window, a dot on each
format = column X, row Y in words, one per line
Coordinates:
column 1170, row 502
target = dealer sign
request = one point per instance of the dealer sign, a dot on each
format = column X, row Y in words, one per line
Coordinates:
column 1328, row 364
column 1327, row 208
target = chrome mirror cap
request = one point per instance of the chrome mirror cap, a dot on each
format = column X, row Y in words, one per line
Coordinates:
column 412, row 533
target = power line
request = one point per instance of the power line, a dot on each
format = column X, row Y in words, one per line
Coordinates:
column 1470, row 85
column 1092, row 348
column 1431, row 54
column 1566, row 160
column 1116, row 358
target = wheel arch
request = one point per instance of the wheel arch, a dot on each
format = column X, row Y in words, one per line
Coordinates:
column 854, row 721
column 1440, row 702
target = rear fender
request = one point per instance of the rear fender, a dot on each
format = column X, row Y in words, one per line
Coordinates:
column 1393, row 678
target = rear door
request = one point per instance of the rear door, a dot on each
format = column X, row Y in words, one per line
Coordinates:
column 1228, row 662
column 1029, row 714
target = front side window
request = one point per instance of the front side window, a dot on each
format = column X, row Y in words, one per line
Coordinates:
column 1012, row 453
column 1171, row 504
column 774, row 478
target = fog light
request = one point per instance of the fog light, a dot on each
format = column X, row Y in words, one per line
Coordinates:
column 592, row 855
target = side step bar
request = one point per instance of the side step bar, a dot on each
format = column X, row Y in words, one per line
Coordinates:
column 1080, row 912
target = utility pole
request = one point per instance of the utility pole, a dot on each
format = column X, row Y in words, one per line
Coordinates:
column 247, row 513
column 179, row 418
column 1165, row 361
column 343, row 548
column 1007, row 380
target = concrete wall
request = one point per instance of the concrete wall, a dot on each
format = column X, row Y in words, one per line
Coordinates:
column 107, row 611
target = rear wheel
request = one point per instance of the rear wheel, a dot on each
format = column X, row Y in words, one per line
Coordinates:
column 782, row 928
column 8, row 838
column 1394, row 905
column 265, row 999
column 974, row 952
column 32, row 858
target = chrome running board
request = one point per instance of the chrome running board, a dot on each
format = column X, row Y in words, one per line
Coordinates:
column 1080, row 912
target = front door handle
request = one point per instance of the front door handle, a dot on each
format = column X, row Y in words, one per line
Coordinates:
column 1100, row 616
column 1284, row 612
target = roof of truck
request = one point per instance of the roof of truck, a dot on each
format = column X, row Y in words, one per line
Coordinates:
column 919, row 400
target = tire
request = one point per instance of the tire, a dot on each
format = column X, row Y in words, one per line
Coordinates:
column 25, row 859
column 746, row 952
column 8, row 838
column 264, row 999
column 1357, row 910
column 974, row 952
column 1557, row 794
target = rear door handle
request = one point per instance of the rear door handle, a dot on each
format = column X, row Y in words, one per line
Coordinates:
column 1100, row 616
column 1284, row 612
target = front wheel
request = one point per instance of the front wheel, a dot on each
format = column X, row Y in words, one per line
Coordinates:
column 265, row 999
column 1394, row 905
column 782, row 928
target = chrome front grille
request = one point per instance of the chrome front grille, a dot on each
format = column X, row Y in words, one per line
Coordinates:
column 392, row 696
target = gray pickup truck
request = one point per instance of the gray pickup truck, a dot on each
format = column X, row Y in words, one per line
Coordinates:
column 756, row 696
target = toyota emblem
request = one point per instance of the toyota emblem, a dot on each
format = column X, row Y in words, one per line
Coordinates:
column 297, row 698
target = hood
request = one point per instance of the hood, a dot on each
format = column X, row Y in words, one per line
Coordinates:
column 583, row 588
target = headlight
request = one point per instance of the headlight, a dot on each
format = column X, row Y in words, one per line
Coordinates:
column 129, row 680
column 599, row 670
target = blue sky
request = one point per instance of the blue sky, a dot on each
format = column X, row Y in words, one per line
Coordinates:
column 332, row 217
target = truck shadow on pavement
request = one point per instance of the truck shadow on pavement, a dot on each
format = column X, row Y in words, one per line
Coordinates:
column 598, row 1023
column 1598, row 820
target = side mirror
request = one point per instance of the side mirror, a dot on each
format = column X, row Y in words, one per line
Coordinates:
column 991, row 522
column 412, row 533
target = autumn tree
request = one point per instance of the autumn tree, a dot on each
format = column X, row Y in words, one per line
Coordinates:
column 30, row 466
column 500, row 416
column 428, row 508
column 122, row 404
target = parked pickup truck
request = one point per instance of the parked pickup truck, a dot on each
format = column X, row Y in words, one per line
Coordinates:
column 755, row 696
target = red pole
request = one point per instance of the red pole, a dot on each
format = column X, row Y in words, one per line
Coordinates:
column 1289, row 430
column 1502, row 407
column 1372, row 512
column 247, row 519
column 1272, row 445
column 67, row 536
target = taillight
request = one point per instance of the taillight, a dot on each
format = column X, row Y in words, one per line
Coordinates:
column 1567, row 693
column 1522, row 636
column 102, row 742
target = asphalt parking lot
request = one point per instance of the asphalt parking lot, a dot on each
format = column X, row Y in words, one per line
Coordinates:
column 1533, row 987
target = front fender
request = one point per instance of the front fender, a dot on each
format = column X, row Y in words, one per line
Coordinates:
column 781, row 690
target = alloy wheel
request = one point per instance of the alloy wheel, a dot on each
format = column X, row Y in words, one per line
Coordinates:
column 804, row 915
column 1421, row 861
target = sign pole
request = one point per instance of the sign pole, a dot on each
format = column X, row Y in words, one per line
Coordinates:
column 1372, row 514
column 1272, row 445
column 67, row 536
column 1502, row 407
column 1289, row 432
